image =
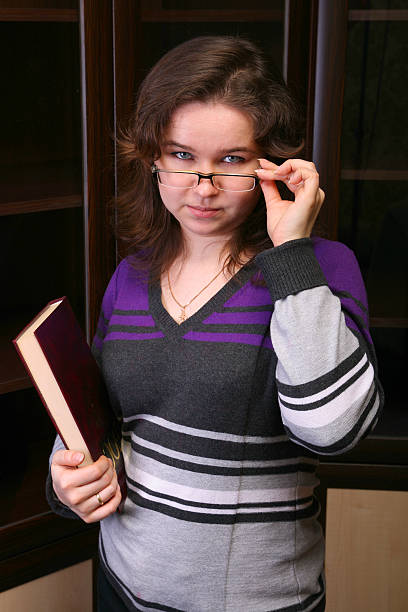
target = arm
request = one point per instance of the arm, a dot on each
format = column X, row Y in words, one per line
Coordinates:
column 327, row 383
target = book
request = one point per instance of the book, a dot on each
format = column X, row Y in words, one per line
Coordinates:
column 67, row 377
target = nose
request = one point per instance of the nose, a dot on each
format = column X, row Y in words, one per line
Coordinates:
column 205, row 187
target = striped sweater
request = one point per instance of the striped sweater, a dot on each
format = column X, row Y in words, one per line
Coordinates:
column 224, row 417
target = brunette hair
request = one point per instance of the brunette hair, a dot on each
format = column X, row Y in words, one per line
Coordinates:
column 224, row 69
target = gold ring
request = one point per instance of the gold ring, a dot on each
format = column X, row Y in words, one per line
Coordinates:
column 99, row 498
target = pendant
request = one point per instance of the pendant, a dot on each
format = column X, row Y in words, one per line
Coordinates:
column 182, row 316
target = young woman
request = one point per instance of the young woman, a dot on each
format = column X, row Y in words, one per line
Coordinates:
column 235, row 349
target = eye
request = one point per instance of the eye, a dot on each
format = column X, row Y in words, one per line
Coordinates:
column 182, row 155
column 233, row 159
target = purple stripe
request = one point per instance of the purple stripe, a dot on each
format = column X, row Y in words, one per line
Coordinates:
column 139, row 320
column 137, row 299
column 267, row 343
column 249, row 295
column 130, row 336
column 354, row 308
column 254, row 339
column 97, row 342
column 243, row 318
column 352, row 325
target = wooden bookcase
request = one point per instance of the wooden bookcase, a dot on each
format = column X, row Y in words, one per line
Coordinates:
column 57, row 181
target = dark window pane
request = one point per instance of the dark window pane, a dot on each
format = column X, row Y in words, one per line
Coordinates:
column 375, row 122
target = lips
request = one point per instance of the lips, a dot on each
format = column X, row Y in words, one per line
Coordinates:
column 203, row 213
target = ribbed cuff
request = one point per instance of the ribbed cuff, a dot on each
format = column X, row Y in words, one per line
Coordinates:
column 54, row 503
column 290, row 268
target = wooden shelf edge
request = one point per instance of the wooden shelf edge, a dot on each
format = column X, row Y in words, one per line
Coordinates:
column 39, row 14
column 48, row 559
column 370, row 174
column 378, row 15
column 389, row 322
column 40, row 205
column 210, row 15
column 18, row 384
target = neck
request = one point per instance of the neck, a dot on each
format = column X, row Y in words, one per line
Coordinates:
column 204, row 248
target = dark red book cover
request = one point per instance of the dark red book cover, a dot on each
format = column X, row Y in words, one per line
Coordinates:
column 79, row 378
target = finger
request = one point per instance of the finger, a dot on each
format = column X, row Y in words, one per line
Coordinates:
column 83, row 497
column 67, row 458
column 84, row 475
column 102, row 512
column 291, row 165
column 292, row 172
column 107, row 484
column 103, row 496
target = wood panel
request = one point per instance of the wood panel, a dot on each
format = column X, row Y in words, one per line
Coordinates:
column 53, row 592
column 330, row 67
column 367, row 551
column 96, row 22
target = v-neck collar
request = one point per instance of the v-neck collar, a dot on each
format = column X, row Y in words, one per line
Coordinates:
column 170, row 326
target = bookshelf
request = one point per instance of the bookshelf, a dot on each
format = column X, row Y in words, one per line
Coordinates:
column 55, row 236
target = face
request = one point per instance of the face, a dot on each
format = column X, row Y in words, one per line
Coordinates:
column 209, row 137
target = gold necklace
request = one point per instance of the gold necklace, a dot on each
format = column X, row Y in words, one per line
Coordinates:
column 183, row 307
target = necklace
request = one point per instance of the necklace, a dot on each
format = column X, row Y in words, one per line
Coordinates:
column 183, row 307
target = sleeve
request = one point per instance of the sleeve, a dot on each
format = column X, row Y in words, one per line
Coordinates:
column 326, row 375
column 53, row 501
column 108, row 303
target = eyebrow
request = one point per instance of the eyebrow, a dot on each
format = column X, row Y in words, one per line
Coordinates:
column 173, row 143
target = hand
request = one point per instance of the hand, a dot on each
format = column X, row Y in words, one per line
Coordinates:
column 287, row 220
column 78, row 488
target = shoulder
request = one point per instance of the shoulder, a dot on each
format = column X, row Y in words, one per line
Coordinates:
column 333, row 256
column 340, row 266
column 127, row 281
column 331, row 251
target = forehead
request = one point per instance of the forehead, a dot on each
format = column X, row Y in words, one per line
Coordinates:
column 200, row 123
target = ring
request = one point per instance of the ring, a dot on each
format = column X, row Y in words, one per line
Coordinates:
column 99, row 498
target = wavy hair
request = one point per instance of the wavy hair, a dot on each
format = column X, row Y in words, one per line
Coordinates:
column 223, row 69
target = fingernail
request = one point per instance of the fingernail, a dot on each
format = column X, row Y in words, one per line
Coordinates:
column 79, row 457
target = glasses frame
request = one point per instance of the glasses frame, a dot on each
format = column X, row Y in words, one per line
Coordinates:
column 203, row 175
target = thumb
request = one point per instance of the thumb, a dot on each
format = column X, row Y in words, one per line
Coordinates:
column 68, row 458
column 270, row 191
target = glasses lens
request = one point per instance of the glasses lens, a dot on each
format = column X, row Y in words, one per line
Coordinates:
column 234, row 183
column 178, row 180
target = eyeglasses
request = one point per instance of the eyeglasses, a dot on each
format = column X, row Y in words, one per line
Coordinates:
column 186, row 179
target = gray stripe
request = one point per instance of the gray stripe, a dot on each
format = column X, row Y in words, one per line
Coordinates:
column 320, row 343
column 220, row 482
column 205, row 460
column 338, row 429
column 204, row 433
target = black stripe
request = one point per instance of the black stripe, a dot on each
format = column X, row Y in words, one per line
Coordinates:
column 103, row 318
column 324, row 381
column 130, row 329
column 100, row 333
column 266, row 307
column 125, row 313
column 219, row 470
column 346, row 294
column 193, row 504
column 350, row 437
column 234, row 328
column 331, row 396
column 226, row 519
column 208, row 447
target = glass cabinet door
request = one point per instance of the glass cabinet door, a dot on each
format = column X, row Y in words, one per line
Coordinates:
column 373, row 208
